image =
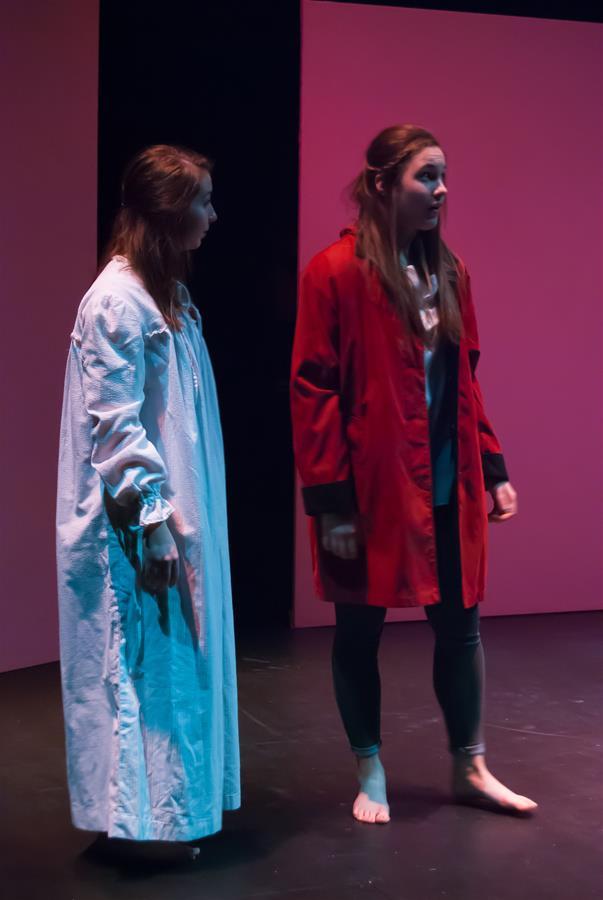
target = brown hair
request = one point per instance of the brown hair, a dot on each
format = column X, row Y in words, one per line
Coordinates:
column 158, row 187
column 376, row 239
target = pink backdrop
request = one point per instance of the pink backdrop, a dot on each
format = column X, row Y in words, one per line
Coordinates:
column 517, row 104
column 48, row 109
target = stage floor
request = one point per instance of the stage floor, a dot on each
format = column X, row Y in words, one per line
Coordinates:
column 294, row 836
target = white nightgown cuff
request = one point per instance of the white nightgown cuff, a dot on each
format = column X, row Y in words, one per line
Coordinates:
column 154, row 508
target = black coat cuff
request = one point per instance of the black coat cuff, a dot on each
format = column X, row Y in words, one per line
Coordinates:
column 495, row 470
column 336, row 497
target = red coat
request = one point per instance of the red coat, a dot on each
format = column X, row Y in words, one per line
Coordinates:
column 361, row 436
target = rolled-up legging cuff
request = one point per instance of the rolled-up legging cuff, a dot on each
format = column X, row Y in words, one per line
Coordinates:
column 470, row 750
column 366, row 751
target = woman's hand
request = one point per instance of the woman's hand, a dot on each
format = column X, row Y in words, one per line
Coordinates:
column 340, row 535
column 505, row 502
column 160, row 558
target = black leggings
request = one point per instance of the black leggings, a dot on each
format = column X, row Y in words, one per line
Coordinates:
column 458, row 664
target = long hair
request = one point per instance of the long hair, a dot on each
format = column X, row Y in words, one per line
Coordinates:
column 377, row 230
column 158, row 187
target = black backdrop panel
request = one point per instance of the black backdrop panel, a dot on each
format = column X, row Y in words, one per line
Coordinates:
column 223, row 79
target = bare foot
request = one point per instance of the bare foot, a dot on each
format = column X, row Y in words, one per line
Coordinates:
column 370, row 806
column 474, row 785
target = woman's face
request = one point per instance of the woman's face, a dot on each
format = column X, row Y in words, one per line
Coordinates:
column 201, row 214
column 421, row 190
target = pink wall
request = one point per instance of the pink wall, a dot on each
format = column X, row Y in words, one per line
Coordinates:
column 48, row 109
column 517, row 106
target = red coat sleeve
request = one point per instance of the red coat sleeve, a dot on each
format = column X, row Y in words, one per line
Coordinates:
column 319, row 441
column 493, row 462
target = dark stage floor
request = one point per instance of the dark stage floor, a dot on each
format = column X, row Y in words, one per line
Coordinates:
column 294, row 837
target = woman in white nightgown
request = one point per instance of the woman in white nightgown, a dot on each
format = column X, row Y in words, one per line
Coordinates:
column 147, row 646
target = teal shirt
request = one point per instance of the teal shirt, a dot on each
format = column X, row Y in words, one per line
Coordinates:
column 443, row 467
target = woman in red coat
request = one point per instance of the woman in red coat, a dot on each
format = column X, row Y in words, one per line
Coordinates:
column 396, row 454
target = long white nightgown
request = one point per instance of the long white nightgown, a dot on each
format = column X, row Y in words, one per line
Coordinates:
column 149, row 683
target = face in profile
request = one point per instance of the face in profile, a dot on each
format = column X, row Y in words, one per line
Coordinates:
column 201, row 214
column 422, row 190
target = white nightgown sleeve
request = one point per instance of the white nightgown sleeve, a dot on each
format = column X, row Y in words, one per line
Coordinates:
column 111, row 345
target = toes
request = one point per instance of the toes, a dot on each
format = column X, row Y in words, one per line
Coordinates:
column 365, row 810
column 517, row 802
column 362, row 814
column 358, row 808
column 359, row 812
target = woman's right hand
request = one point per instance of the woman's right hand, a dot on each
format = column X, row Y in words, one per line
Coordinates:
column 340, row 535
column 160, row 558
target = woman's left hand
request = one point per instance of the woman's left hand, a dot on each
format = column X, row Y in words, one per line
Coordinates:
column 160, row 558
column 505, row 502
